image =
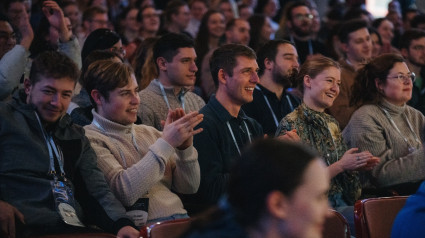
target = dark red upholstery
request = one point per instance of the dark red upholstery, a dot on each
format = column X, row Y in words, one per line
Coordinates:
column 336, row 226
column 374, row 217
column 166, row 229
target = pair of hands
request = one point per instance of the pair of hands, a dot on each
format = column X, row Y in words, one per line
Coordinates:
column 363, row 161
column 179, row 128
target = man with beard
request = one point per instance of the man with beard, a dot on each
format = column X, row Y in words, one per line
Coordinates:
column 237, row 31
column 278, row 64
column 413, row 50
column 356, row 45
column 299, row 23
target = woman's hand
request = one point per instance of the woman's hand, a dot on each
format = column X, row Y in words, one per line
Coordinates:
column 355, row 161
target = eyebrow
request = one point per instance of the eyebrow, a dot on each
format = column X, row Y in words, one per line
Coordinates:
column 54, row 89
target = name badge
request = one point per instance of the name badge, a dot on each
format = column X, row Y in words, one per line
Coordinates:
column 139, row 212
column 64, row 200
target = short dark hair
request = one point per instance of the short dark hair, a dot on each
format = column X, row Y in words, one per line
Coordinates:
column 267, row 165
column 95, row 56
column 294, row 4
column 55, row 65
column 169, row 44
column 268, row 51
column 409, row 35
column 105, row 76
column 89, row 13
column 225, row 58
column 417, row 20
column 172, row 8
column 350, row 26
column 99, row 39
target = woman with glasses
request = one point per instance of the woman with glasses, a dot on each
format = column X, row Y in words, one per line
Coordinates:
column 319, row 80
column 386, row 126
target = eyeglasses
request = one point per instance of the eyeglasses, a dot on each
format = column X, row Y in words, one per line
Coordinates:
column 119, row 51
column 6, row 36
column 405, row 78
column 300, row 17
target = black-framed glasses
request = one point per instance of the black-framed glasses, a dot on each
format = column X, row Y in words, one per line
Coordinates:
column 404, row 78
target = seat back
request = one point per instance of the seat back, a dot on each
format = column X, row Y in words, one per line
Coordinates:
column 374, row 217
column 169, row 229
column 336, row 226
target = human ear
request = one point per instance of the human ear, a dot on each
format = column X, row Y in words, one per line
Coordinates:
column 307, row 81
column 97, row 97
column 277, row 204
column 27, row 86
column 268, row 64
column 162, row 63
column 379, row 85
column 222, row 76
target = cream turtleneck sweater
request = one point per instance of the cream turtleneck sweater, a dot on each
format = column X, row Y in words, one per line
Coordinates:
column 151, row 168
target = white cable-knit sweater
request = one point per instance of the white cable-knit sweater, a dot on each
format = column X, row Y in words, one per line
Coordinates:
column 153, row 169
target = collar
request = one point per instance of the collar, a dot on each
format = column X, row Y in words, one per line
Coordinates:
column 391, row 108
column 154, row 86
column 110, row 126
column 221, row 112
column 344, row 64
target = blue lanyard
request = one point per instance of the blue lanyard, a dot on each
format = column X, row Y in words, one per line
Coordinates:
column 291, row 106
column 51, row 146
column 233, row 135
column 310, row 45
column 181, row 96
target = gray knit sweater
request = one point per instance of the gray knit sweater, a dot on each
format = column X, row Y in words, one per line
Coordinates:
column 370, row 129
column 151, row 170
column 153, row 107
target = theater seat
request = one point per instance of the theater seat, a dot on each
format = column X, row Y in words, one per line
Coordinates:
column 166, row 229
column 374, row 217
column 79, row 235
column 336, row 226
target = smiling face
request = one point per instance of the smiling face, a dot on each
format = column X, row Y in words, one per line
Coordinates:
column 239, row 87
column 239, row 33
column 216, row 25
column 396, row 91
column 7, row 38
column 301, row 21
column 122, row 103
column 181, row 70
column 320, row 92
column 50, row 96
column 386, row 30
column 308, row 206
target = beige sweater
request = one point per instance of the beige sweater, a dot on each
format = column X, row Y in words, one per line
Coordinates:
column 150, row 170
column 369, row 129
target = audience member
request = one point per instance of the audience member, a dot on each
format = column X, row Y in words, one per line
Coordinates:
column 226, row 8
column 269, row 8
column 150, row 21
column 141, row 164
column 276, row 189
column 376, row 42
column 226, row 128
column 71, row 10
column 386, row 126
column 197, row 9
column 298, row 20
column 418, row 22
column 408, row 15
column 103, row 39
column 319, row 81
column 278, row 67
column 356, row 44
column 385, row 29
column 13, row 56
column 237, row 32
column 62, row 194
column 412, row 47
column 81, row 114
column 177, row 17
column 93, row 18
column 141, row 63
column 245, row 12
column 261, row 31
column 210, row 33
column 174, row 58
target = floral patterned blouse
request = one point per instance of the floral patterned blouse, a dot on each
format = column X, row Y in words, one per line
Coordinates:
column 321, row 131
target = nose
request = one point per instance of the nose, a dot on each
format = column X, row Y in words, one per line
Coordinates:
column 193, row 67
column 55, row 99
column 255, row 78
column 135, row 100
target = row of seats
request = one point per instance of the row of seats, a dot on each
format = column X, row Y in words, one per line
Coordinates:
column 373, row 218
